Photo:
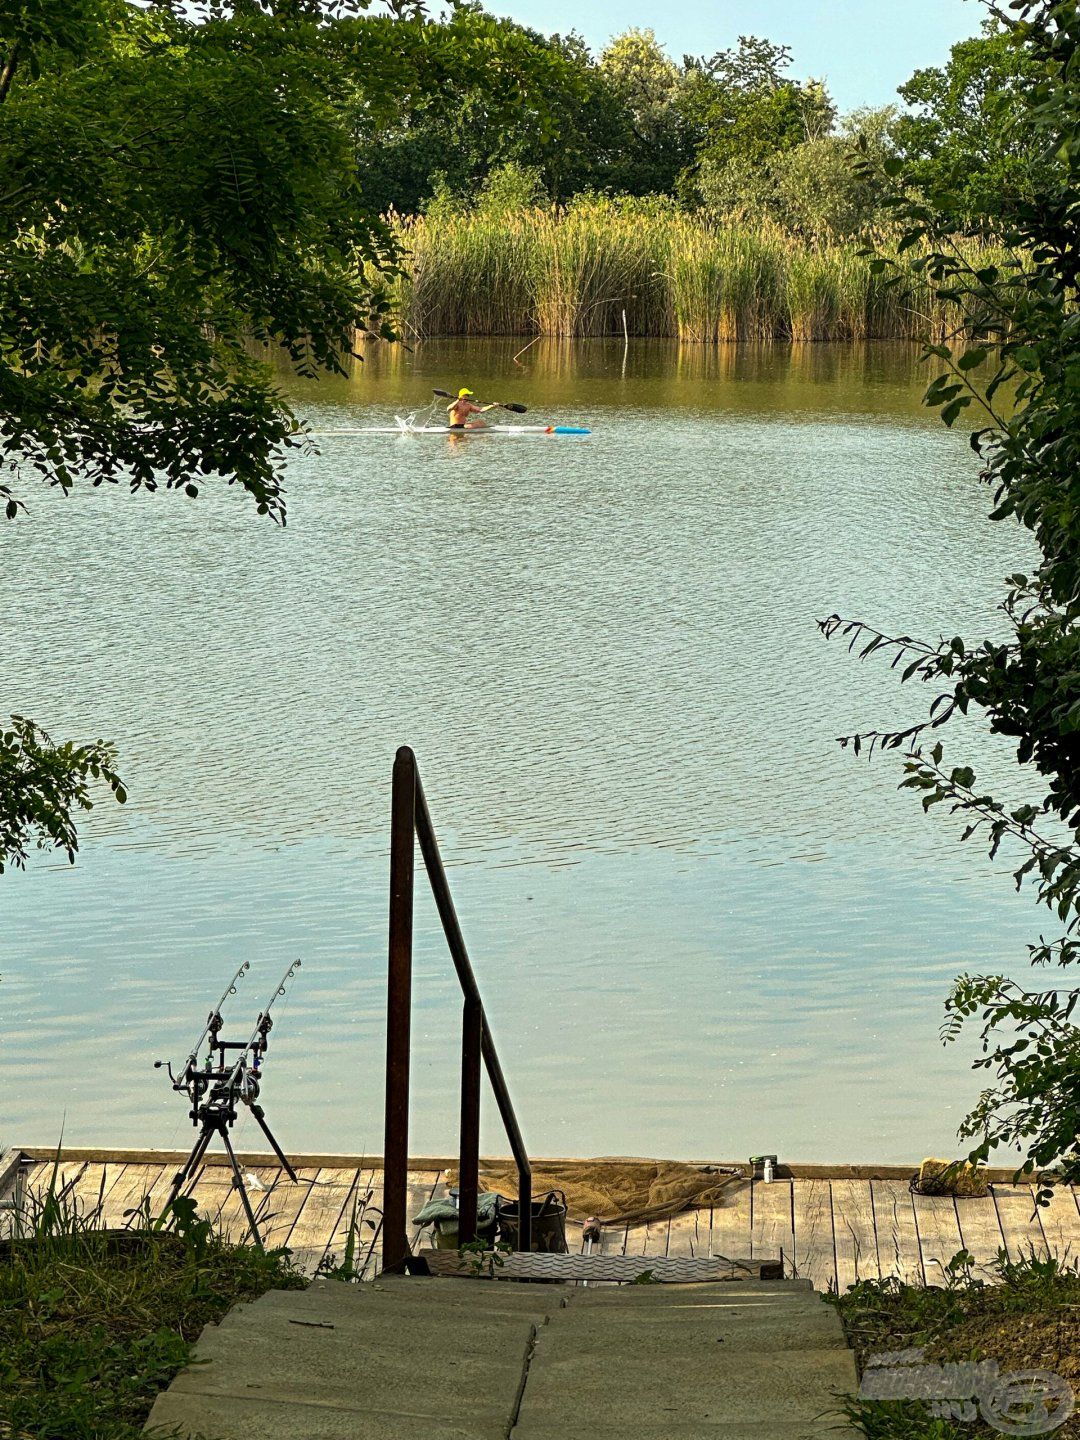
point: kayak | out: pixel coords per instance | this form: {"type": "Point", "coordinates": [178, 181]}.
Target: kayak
{"type": "Point", "coordinates": [468, 430]}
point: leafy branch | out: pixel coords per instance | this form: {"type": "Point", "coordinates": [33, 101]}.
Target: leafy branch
{"type": "Point", "coordinates": [42, 785]}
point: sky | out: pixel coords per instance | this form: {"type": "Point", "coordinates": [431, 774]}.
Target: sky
{"type": "Point", "coordinates": [864, 49]}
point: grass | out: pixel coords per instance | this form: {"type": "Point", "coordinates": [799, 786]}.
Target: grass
{"type": "Point", "coordinates": [94, 1324]}
{"type": "Point", "coordinates": [1028, 1319]}
{"type": "Point", "coordinates": [576, 271]}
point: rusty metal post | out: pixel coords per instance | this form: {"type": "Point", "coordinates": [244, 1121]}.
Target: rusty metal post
{"type": "Point", "coordinates": [524, 1207]}
{"type": "Point", "coordinates": [399, 1012]}
{"type": "Point", "coordinates": [472, 1031]}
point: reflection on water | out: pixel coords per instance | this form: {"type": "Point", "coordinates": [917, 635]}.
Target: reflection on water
{"type": "Point", "coordinates": [700, 929]}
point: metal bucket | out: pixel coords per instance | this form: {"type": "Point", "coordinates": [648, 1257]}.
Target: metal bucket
{"type": "Point", "coordinates": [548, 1223]}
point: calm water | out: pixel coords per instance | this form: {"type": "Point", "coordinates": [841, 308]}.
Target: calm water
{"type": "Point", "coordinates": [700, 928]}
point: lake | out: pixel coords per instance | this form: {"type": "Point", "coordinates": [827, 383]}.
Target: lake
{"type": "Point", "coordinates": [700, 929]}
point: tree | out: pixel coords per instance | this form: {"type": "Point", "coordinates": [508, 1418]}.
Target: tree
{"type": "Point", "coordinates": [960, 135]}
{"type": "Point", "coordinates": [176, 182]}
{"type": "Point", "coordinates": [469, 95]}
{"type": "Point", "coordinates": [748, 111]}
{"type": "Point", "coordinates": [825, 188]}
{"type": "Point", "coordinates": [1015, 365]}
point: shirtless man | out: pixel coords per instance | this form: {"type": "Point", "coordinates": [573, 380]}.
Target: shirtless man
{"type": "Point", "coordinates": [460, 409]}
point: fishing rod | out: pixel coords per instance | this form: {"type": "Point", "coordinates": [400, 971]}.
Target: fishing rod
{"type": "Point", "coordinates": [219, 1086]}
{"type": "Point", "coordinates": [213, 1024]}
{"type": "Point", "coordinates": [256, 1047]}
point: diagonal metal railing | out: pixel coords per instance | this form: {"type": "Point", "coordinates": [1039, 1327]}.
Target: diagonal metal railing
{"type": "Point", "coordinates": [410, 823]}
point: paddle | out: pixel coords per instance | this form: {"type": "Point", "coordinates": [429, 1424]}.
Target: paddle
{"type": "Point", "coordinates": [517, 409]}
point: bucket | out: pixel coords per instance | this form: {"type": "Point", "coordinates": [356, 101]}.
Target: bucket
{"type": "Point", "coordinates": [548, 1223]}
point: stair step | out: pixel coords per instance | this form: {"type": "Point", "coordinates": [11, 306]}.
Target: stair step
{"type": "Point", "coordinates": [652, 1334]}
{"type": "Point", "coordinates": [610, 1385]}
{"type": "Point", "coordinates": [684, 1296]}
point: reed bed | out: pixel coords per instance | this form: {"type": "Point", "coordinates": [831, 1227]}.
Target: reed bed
{"type": "Point", "coordinates": [598, 266]}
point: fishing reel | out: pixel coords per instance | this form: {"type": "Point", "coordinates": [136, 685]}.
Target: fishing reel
{"type": "Point", "coordinates": [230, 1076]}
{"type": "Point", "coordinates": [231, 1073]}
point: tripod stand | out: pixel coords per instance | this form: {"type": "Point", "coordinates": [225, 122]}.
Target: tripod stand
{"type": "Point", "coordinates": [216, 1091]}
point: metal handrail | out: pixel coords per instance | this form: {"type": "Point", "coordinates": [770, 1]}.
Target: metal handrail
{"type": "Point", "coordinates": [410, 821]}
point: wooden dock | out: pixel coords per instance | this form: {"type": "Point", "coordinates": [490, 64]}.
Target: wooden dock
{"type": "Point", "coordinates": [833, 1225]}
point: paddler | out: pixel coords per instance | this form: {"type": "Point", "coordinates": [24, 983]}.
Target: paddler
{"type": "Point", "coordinates": [460, 409]}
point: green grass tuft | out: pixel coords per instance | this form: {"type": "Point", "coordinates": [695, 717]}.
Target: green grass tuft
{"type": "Point", "coordinates": [94, 1323]}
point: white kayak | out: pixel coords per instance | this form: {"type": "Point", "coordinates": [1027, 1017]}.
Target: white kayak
{"type": "Point", "coordinates": [467, 430]}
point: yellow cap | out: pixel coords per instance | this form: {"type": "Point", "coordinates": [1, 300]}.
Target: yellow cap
{"type": "Point", "coordinates": [462, 393]}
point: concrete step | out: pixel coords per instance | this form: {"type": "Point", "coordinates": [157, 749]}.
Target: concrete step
{"type": "Point", "coordinates": [332, 1300]}
{"type": "Point", "coordinates": [704, 1386]}
{"type": "Point", "coordinates": [780, 1292]}
{"type": "Point", "coordinates": [226, 1417]}
{"type": "Point", "coordinates": [465, 1360]}
{"type": "Point", "coordinates": [507, 1294]}
{"type": "Point", "coordinates": [644, 1334]}
{"type": "Point", "coordinates": [828, 1428]}
{"type": "Point", "coordinates": [335, 1348]}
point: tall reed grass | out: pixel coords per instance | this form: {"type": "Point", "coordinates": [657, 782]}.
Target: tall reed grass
{"type": "Point", "coordinates": [589, 268]}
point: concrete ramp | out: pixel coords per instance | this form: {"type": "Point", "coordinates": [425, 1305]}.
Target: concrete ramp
{"type": "Point", "coordinates": [469, 1360]}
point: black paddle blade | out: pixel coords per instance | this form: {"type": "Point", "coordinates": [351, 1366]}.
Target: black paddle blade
{"type": "Point", "coordinates": [517, 409]}
{"type": "Point", "coordinates": [445, 394]}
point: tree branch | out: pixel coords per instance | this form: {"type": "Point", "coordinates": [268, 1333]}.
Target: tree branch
{"type": "Point", "coordinates": [7, 74]}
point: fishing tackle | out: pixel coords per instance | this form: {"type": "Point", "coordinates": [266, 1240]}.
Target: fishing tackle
{"type": "Point", "coordinates": [230, 1076]}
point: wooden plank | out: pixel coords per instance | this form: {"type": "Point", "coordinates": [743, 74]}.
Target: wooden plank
{"type": "Point", "coordinates": [814, 1245]}
{"type": "Point", "coordinates": [319, 1218]}
{"type": "Point", "coordinates": [260, 1181]}
{"type": "Point", "coordinates": [85, 1187]}
{"type": "Point", "coordinates": [421, 1186]}
{"type": "Point", "coordinates": [939, 1234]}
{"type": "Point", "coordinates": [649, 1239]}
{"type": "Point", "coordinates": [11, 1163]}
{"type": "Point", "coordinates": [1061, 1225]}
{"type": "Point", "coordinates": [772, 1233]}
{"type": "Point", "coordinates": [1020, 1225]}
{"type": "Point", "coordinates": [613, 1240]}
{"type": "Point", "coordinates": [688, 1234]}
{"type": "Point", "coordinates": [287, 1201]}
{"type": "Point", "coordinates": [353, 1219]}
{"type": "Point", "coordinates": [13, 1181]}
{"type": "Point", "coordinates": [128, 1193]}
{"type": "Point", "coordinates": [212, 1189]}
{"type": "Point", "coordinates": [899, 1252]}
{"type": "Point", "coordinates": [854, 1233]}
{"type": "Point", "coordinates": [980, 1232]}
{"type": "Point", "coordinates": [730, 1229]}
{"type": "Point", "coordinates": [159, 1190]}
{"type": "Point", "coordinates": [331, 1160]}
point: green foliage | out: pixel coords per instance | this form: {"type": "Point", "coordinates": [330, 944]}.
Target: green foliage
{"type": "Point", "coordinates": [747, 107]}
{"type": "Point", "coordinates": [178, 181]}
{"type": "Point", "coordinates": [462, 98]}
{"type": "Point", "coordinates": [965, 135]}
{"type": "Point", "coordinates": [511, 188]}
{"type": "Point", "coordinates": [42, 784]}
{"type": "Point", "coordinates": [1018, 1312]}
{"type": "Point", "coordinates": [484, 1258]}
{"type": "Point", "coordinates": [182, 188]}
{"type": "Point", "coordinates": [827, 187]}
{"type": "Point", "coordinates": [629, 121]}
{"type": "Point", "coordinates": [1013, 370]}
{"type": "Point", "coordinates": [93, 1324]}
